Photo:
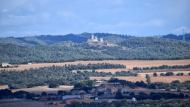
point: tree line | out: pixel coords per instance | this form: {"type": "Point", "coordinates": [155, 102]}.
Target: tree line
{"type": "Point", "coordinates": [147, 103]}
{"type": "Point", "coordinates": [163, 67]}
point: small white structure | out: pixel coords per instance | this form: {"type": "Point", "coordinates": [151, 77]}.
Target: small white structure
{"type": "Point", "coordinates": [29, 63]}
{"type": "Point", "coordinates": [101, 40]}
{"type": "Point", "coordinates": [96, 98]}
{"type": "Point", "coordinates": [96, 40]}
{"type": "Point", "coordinates": [134, 99]}
{"type": "Point", "coordinates": [93, 39]}
{"type": "Point", "coordinates": [5, 64]}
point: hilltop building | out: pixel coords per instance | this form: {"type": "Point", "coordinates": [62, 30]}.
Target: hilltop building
{"type": "Point", "coordinates": [94, 40]}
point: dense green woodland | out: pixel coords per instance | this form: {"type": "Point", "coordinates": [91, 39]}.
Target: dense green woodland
{"type": "Point", "coordinates": [54, 75]}
{"type": "Point", "coordinates": [71, 47]}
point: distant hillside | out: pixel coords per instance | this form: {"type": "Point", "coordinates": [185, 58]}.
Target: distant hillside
{"type": "Point", "coordinates": [185, 37]}
{"type": "Point", "coordinates": [21, 54]}
{"type": "Point", "coordinates": [43, 39]}
{"type": "Point", "coordinates": [57, 48]}
{"type": "Point", "coordinates": [55, 39]}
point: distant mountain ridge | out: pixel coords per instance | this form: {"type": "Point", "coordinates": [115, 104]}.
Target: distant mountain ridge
{"type": "Point", "coordinates": [77, 38]}
{"type": "Point", "coordinates": [51, 39]}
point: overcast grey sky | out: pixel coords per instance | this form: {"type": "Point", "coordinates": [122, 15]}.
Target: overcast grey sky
{"type": "Point", "coordinates": [135, 17]}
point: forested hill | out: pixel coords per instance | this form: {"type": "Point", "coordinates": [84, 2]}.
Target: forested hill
{"type": "Point", "coordinates": [47, 48]}
{"type": "Point", "coordinates": [185, 37]}
{"type": "Point", "coordinates": [55, 39]}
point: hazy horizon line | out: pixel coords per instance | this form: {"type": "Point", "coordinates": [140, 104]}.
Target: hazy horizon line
{"type": "Point", "coordinates": [63, 34]}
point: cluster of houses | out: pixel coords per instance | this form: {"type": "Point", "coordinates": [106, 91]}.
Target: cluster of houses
{"type": "Point", "coordinates": [103, 91]}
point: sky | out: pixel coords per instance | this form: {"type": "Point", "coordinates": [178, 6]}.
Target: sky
{"type": "Point", "coordinates": [133, 17]}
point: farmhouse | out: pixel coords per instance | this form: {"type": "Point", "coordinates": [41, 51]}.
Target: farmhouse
{"type": "Point", "coordinates": [109, 90]}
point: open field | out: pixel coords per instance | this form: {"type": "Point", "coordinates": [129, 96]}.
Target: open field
{"type": "Point", "coordinates": [3, 87]}
{"type": "Point", "coordinates": [40, 89]}
{"type": "Point", "coordinates": [128, 78]}
{"type": "Point", "coordinates": [169, 79]}
{"type": "Point", "coordinates": [164, 79]}
{"type": "Point", "coordinates": [111, 70]}
{"type": "Point", "coordinates": [129, 63]}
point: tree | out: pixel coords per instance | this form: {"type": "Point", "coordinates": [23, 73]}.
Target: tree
{"type": "Point", "coordinates": [5, 93]}
{"type": "Point", "coordinates": [119, 95]}
{"type": "Point", "coordinates": [169, 74]}
{"type": "Point", "coordinates": [179, 74]}
{"type": "Point", "coordinates": [162, 74]}
{"type": "Point", "coordinates": [43, 94]}
{"type": "Point", "coordinates": [84, 85]}
{"type": "Point", "coordinates": [53, 85]}
{"type": "Point", "coordinates": [148, 79]}
{"type": "Point", "coordinates": [60, 92]}
{"type": "Point", "coordinates": [141, 84]}
{"type": "Point", "coordinates": [155, 74]}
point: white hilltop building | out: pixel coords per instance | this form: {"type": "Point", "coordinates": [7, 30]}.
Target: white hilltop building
{"type": "Point", "coordinates": [94, 40]}
{"type": "Point", "coordinates": [101, 40]}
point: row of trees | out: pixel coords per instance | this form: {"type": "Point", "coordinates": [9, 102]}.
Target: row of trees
{"type": "Point", "coordinates": [94, 66]}
{"type": "Point", "coordinates": [163, 67]}
{"type": "Point", "coordinates": [169, 74]}
{"type": "Point", "coordinates": [6, 94]}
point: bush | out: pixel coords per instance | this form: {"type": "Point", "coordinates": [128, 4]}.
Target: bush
{"type": "Point", "coordinates": [53, 85]}
{"type": "Point", "coordinates": [169, 74]}
{"type": "Point", "coordinates": [155, 74]}
{"type": "Point", "coordinates": [179, 74]}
